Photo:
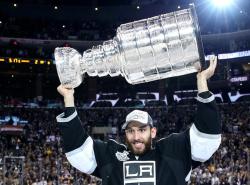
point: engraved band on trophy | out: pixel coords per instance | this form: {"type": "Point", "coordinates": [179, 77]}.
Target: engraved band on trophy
{"type": "Point", "coordinates": [160, 47]}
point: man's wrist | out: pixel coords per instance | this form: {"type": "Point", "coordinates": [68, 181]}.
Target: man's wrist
{"type": "Point", "coordinates": [69, 101]}
{"type": "Point", "coordinates": [202, 85]}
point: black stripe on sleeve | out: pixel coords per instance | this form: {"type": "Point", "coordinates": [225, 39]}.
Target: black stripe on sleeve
{"type": "Point", "coordinates": [73, 133]}
{"type": "Point", "coordinates": [208, 118]}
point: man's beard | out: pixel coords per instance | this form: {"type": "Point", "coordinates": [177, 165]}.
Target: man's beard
{"type": "Point", "coordinates": [147, 143]}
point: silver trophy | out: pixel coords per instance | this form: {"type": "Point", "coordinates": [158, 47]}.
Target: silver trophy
{"type": "Point", "coordinates": [160, 47]}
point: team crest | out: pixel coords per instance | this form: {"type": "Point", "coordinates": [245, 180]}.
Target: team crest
{"type": "Point", "coordinates": [122, 156]}
{"type": "Point", "coordinates": [139, 172]}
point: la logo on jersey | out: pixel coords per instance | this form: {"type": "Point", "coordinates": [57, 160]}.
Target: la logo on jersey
{"type": "Point", "coordinates": [142, 172]}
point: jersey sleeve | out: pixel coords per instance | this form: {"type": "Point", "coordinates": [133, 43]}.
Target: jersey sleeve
{"type": "Point", "coordinates": [85, 154]}
{"type": "Point", "coordinates": [205, 133]}
{"type": "Point", "coordinates": [78, 145]}
{"type": "Point", "coordinates": [198, 143]}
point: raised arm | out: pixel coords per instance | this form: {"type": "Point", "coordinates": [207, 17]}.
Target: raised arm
{"type": "Point", "coordinates": [78, 145]}
{"type": "Point", "coordinates": [205, 133]}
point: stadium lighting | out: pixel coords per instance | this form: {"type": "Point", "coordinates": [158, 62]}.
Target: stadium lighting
{"type": "Point", "coordinates": [138, 7]}
{"type": "Point", "coordinates": [179, 7]}
{"type": "Point", "coordinates": [222, 3]}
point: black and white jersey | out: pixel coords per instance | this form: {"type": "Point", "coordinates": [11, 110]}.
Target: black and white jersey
{"type": "Point", "coordinates": [169, 163]}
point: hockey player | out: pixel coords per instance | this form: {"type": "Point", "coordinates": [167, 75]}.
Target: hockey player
{"type": "Point", "coordinates": [170, 162]}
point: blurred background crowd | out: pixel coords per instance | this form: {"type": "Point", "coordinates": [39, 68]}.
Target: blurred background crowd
{"type": "Point", "coordinates": [45, 162]}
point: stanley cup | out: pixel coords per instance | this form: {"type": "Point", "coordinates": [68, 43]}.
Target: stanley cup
{"type": "Point", "coordinates": [160, 47]}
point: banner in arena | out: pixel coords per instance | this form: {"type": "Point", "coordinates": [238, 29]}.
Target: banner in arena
{"type": "Point", "coordinates": [223, 56]}
{"type": "Point", "coordinates": [11, 129]}
{"type": "Point", "coordinates": [18, 60]}
{"type": "Point", "coordinates": [239, 79]}
{"type": "Point", "coordinates": [14, 60]}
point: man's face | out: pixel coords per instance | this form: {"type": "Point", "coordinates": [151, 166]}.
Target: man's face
{"type": "Point", "coordinates": [139, 137]}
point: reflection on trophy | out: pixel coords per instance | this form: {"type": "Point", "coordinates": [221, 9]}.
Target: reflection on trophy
{"type": "Point", "coordinates": [160, 47]}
